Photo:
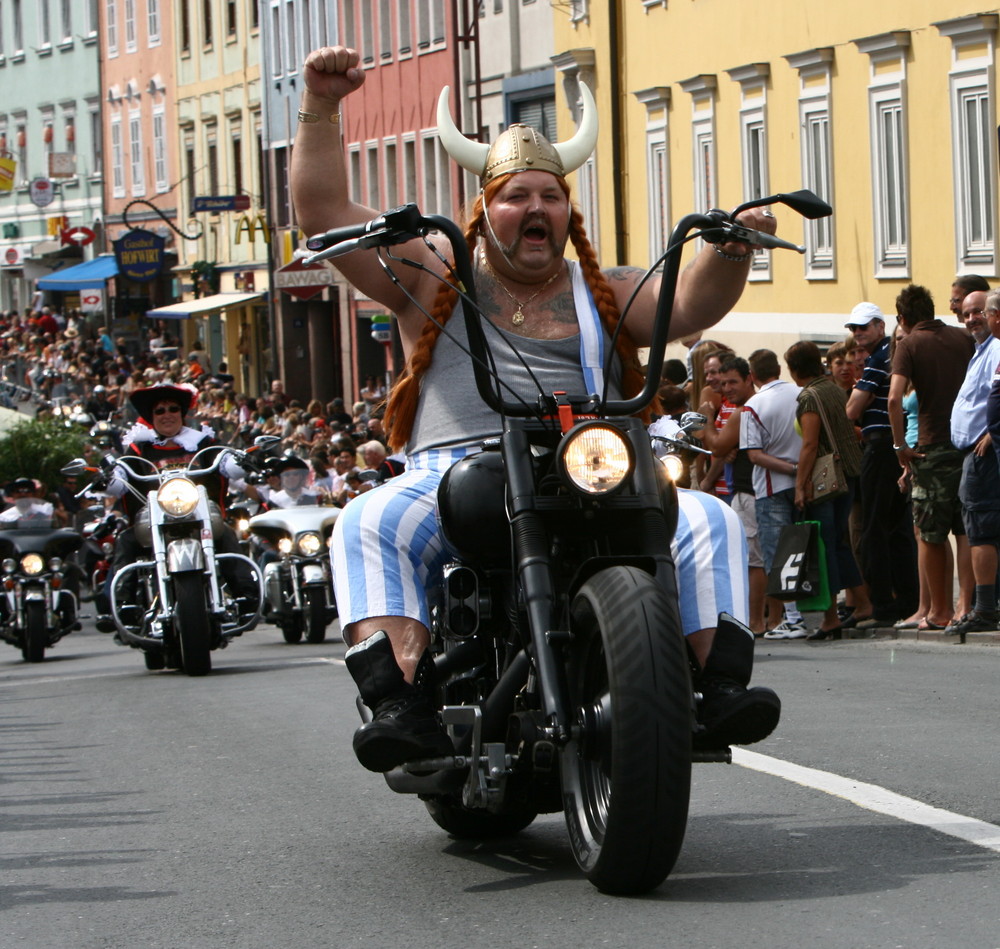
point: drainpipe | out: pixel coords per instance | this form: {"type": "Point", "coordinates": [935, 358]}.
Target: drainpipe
{"type": "Point", "coordinates": [617, 175]}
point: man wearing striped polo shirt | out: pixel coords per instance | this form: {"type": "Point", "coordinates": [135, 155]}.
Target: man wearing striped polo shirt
{"type": "Point", "coordinates": [888, 547]}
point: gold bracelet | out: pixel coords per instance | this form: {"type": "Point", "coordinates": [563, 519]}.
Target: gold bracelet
{"type": "Point", "coordinates": [310, 117]}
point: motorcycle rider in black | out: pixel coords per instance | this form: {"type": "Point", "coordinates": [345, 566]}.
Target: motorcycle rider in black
{"type": "Point", "coordinates": [161, 436]}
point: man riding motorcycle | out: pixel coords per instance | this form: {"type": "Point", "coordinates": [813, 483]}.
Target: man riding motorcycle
{"type": "Point", "coordinates": [161, 437]}
{"type": "Point", "coordinates": [24, 496]}
{"type": "Point", "coordinates": [386, 544]}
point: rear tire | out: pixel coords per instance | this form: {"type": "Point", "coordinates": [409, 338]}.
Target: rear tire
{"type": "Point", "coordinates": [35, 638]}
{"type": "Point", "coordinates": [192, 623]}
{"type": "Point", "coordinates": [626, 776]}
{"type": "Point", "coordinates": [315, 615]}
{"type": "Point", "coordinates": [465, 824]}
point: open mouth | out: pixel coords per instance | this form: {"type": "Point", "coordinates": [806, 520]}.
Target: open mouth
{"type": "Point", "coordinates": [535, 233]}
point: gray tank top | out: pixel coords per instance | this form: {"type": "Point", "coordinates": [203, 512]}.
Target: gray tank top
{"type": "Point", "coordinates": [451, 414]}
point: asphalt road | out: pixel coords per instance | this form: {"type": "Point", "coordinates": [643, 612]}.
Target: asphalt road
{"type": "Point", "coordinates": [144, 810]}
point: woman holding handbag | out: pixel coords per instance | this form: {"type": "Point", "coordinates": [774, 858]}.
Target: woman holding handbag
{"type": "Point", "coordinates": [829, 465]}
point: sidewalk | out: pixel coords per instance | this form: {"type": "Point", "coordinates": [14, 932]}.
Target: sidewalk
{"type": "Point", "coordinates": [912, 635]}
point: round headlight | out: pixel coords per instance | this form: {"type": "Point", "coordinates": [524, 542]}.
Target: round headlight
{"type": "Point", "coordinates": [674, 466]}
{"type": "Point", "coordinates": [32, 564]}
{"type": "Point", "coordinates": [596, 458]}
{"type": "Point", "coordinates": [285, 545]}
{"type": "Point", "coordinates": [243, 525]}
{"type": "Point", "coordinates": [55, 564]}
{"type": "Point", "coordinates": [9, 565]}
{"type": "Point", "coordinates": [310, 544]}
{"type": "Point", "coordinates": [178, 497]}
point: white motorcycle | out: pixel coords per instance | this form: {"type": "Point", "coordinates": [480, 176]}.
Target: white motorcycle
{"type": "Point", "coordinates": [298, 584]}
{"type": "Point", "coordinates": [183, 605]}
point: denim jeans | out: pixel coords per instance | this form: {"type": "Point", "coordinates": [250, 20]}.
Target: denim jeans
{"type": "Point", "coordinates": [773, 513]}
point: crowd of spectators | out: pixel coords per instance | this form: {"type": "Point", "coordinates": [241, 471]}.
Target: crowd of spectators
{"type": "Point", "coordinates": [58, 362]}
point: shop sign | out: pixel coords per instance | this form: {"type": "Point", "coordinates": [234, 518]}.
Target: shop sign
{"type": "Point", "coordinates": [381, 328]}
{"type": "Point", "coordinates": [222, 202]}
{"type": "Point", "coordinates": [140, 255]}
{"type": "Point", "coordinates": [81, 236]}
{"type": "Point", "coordinates": [12, 257]}
{"type": "Point", "coordinates": [41, 192]}
{"type": "Point", "coordinates": [62, 165]}
{"type": "Point", "coordinates": [92, 301]}
{"type": "Point", "coordinates": [300, 281]}
{"type": "Point", "coordinates": [8, 168]}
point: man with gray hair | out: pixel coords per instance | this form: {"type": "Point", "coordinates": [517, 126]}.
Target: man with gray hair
{"type": "Point", "coordinates": [979, 489]}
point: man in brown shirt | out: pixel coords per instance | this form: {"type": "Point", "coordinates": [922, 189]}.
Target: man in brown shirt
{"type": "Point", "coordinates": [935, 358]}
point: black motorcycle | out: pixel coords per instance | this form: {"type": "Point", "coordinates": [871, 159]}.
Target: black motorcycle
{"type": "Point", "coordinates": [564, 678]}
{"type": "Point", "coordinates": [38, 605]}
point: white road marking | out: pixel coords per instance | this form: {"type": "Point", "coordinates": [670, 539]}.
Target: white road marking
{"type": "Point", "coordinates": [874, 798]}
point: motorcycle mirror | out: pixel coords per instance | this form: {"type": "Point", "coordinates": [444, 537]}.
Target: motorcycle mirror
{"type": "Point", "coordinates": [263, 442]}
{"type": "Point", "coordinates": [74, 469]}
{"type": "Point", "coordinates": [693, 421]}
{"type": "Point", "coordinates": [804, 202]}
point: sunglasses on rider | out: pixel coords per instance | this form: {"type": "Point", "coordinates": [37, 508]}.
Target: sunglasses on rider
{"type": "Point", "coordinates": [161, 409]}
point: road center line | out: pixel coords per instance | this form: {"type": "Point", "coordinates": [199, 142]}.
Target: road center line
{"type": "Point", "coordinates": [874, 798]}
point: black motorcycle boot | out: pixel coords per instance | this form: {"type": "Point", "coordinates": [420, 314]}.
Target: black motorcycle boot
{"type": "Point", "coordinates": [404, 726]}
{"type": "Point", "coordinates": [729, 712]}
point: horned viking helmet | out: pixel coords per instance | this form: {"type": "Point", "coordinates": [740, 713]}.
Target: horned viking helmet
{"type": "Point", "coordinates": [519, 147]}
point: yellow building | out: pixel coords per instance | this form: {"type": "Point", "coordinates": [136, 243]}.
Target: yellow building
{"type": "Point", "coordinates": [224, 270]}
{"type": "Point", "coordinates": [887, 110]}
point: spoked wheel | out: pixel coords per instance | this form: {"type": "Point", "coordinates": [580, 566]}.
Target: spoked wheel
{"type": "Point", "coordinates": [626, 775]}
{"type": "Point", "coordinates": [315, 618]}
{"type": "Point", "coordinates": [193, 624]}
{"type": "Point", "coordinates": [34, 632]}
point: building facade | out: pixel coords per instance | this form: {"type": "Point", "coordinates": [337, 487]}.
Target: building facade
{"type": "Point", "coordinates": [888, 112]}
{"type": "Point", "coordinates": [51, 161]}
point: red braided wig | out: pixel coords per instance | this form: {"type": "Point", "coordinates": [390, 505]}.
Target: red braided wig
{"type": "Point", "coordinates": [401, 408]}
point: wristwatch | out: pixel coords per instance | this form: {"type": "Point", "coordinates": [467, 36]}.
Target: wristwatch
{"type": "Point", "coordinates": [898, 447]}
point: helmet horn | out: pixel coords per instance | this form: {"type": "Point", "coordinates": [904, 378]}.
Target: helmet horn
{"type": "Point", "coordinates": [469, 154]}
{"type": "Point", "coordinates": [581, 146]}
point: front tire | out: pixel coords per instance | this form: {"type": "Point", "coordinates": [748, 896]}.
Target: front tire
{"type": "Point", "coordinates": [35, 638]}
{"type": "Point", "coordinates": [315, 615]}
{"type": "Point", "coordinates": [192, 623]}
{"type": "Point", "coordinates": [626, 775]}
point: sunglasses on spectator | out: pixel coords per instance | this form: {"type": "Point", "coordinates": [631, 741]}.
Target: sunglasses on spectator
{"type": "Point", "coordinates": [161, 409]}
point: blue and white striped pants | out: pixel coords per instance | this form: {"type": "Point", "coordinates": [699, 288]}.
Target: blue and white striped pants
{"type": "Point", "coordinates": [387, 548]}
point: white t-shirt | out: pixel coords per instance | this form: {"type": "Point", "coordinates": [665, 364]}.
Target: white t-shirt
{"type": "Point", "coordinates": [768, 423]}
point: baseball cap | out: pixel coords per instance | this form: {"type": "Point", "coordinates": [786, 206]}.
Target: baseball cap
{"type": "Point", "coordinates": [863, 314]}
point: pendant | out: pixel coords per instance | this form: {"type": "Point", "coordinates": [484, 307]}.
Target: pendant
{"type": "Point", "coordinates": [518, 318]}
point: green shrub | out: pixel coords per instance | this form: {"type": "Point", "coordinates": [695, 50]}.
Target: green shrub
{"type": "Point", "coordinates": [38, 448]}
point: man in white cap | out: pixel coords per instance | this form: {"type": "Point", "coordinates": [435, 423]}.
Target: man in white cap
{"type": "Point", "coordinates": [888, 548]}
{"type": "Point", "coordinates": [517, 232]}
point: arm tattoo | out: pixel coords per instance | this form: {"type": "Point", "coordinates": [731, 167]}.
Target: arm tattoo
{"type": "Point", "coordinates": [623, 274]}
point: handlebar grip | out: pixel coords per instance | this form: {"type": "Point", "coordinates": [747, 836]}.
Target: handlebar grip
{"type": "Point", "coordinates": [402, 222]}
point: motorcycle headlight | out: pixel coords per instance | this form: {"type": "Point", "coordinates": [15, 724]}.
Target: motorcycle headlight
{"type": "Point", "coordinates": [242, 525]}
{"type": "Point", "coordinates": [596, 458]}
{"type": "Point", "coordinates": [9, 565]}
{"type": "Point", "coordinates": [674, 466]}
{"type": "Point", "coordinates": [178, 497]}
{"type": "Point", "coordinates": [310, 543]}
{"type": "Point", "coordinates": [32, 564]}
{"type": "Point", "coordinates": [55, 564]}
{"type": "Point", "coordinates": [285, 545]}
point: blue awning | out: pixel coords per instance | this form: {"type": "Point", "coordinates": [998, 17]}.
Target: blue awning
{"type": "Point", "coordinates": [90, 275]}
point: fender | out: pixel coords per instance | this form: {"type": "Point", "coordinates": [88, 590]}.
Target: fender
{"type": "Point", "coordinates": [312, 573]}
{"type": "Point", "coordinates": [185, 553]}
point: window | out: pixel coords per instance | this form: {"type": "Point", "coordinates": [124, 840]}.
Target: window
{"type": "Point", "coordinates": [111, 9]}
{"type": "Point", "coordinates": [21, 145]}
{"type": "Point", "coordinates": [371, 161]}
{"type": "Point", "coordinates": [92, 17]}
{"type": "Point", "coordinates": [973, 124]}
{"type": "Point", "coordinates": [405, 29]}
{"type": "Point", "coordinates": [354, 164]}
{"type": "Point", "coordinates": [409, 168]}
{"type": "Point", "coordinates": [277, 68]}
{"type": "Point", "coordinates": [657, 103]}
{"type": "Point", "coordinates": [138, 172]}
{"type": "Point", "coordinates": [206, 22]}
{"type": "Point", "coordinates": [348, 27]}
{"type": "Point", "coordinates": [889, 181]}
{"type": "Point", "coordinates": [162, 184]}
{"type": "Point", "coordinates": [185, 26]}
{"type": "Point", "coordinates": [17, 33]}
{"type": "Point", "coordinates": [291, 53]}
{"type": "Point", "coordinates": [539, 113]}
{"type": "Point", "coordinates": [367, 33]}
{"type": "Point", "coordinates": [437, 176]}
{"type": "Point", "coordinates": [385, 30]}
{"type": "Point", "coordinates": [48, 117]}
{"type": "Point", "coordinates": [190, 169]}
{"type": "Point", "coordinates": [44, 24]}
{"type": "Point", "coordinates": [230, 18]}
{"type": "Point", "coordinates": [391, 186]}
{"type": "Point", "coordinates": [117, 158]}
{"type": "Point", "coordinates": [212, 158]}
{"type": "Point", "coordinates": [96, 137]}
{"type": "Point", "coordinates": [66, 21]}
{"type": "Point", "coordinates": [430, 24]}
{"type": "Point", "coordinates": [282, 188]}
{"type": "Point", "coordinates": [237, 155]}
{"type": "Point", "coordinates": [153, 22]}
{"type": "Point", "coordinates": [69, 128]}
{"type": "Point", "coordinates": [131, 40]}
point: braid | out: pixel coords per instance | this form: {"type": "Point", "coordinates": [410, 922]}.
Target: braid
{"type": "Point", "coordinates": [401, 408]}
{"type": "Point", "coordinates": [633, 378]}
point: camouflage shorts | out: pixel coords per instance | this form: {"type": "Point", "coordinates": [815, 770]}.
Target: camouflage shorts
{"type": "Point", "coordinates": [937, 510]}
